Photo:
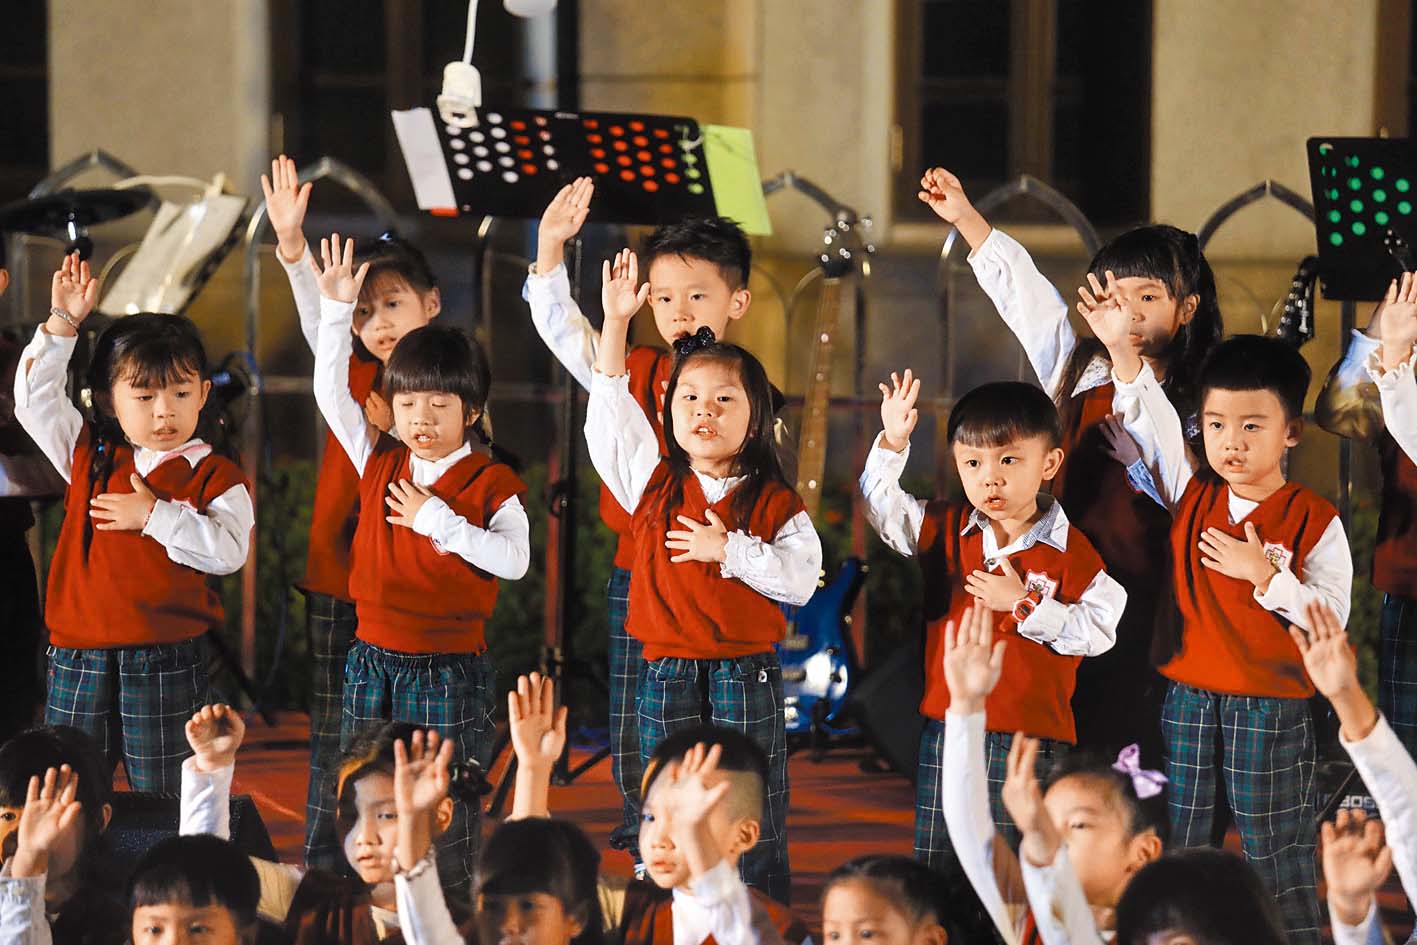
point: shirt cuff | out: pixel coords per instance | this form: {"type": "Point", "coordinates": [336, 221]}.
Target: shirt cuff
{"type": "Point", "coordinates": [1283, 589]}
{"type": "Point", "coordinates": [1373, 364]}
{"type": "Point", "coordinates": [430, 516]}
{"type": "Point", "coordinates": [1367, 932]}
{"type": "Point", "coordinates": [334, 312]}
{"type": "Point", "coordinates": [1144, 377]}
{"type": "Point", "coordinates": [163, 521]}
{"type": "Point", "coordinates": [715, 885]}
{"type": "Point", "coordinates": [739, 555]}
{"type": "Point", "coordinates": [300, 266]}
{"type": "Point", "coordinates": [555, 284]}
{"type": "Point", "coordinates": [1046, 622]}
{"type": "Point", "coordinates": [883, 463]}
{"type": "Point", "coordinates": [993, 244]}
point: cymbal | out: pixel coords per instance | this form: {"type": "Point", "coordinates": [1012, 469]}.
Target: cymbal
{"type": "Point", "coordinates": [52, 215]}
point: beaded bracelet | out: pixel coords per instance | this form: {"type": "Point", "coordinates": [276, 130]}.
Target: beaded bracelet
{"type": "Point", "coordinates": [55, 310]}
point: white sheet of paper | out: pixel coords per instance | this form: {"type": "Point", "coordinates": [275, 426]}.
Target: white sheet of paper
{"type": "Point", "coordinates": [418, 139]}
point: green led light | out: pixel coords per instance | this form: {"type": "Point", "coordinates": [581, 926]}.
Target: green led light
{"type": "Point", "coordinates": [1336, 239]}
{"type": "Point", "coordinates": [696, 188]}
{"type": "Point", "coordinates": [1359, 229]}
{"type": "Point", "coordinates": [693, 173]}
{"type": "Point", "coordinates": [1402, 185]}
{"type": "Point", "coordinates": [1381, 218]}
{"type": "Point", "coordinates": [1325, 148]}
{"type": "Point", "coordinates": [1334, 216]}
{"type": "Point", "coordinates": [1332, 193]}
{"type": "Point", "coordinates": [1355, 183]}
{"type": "Point", "coordinates": [1379, 195]}
{"type": "Point", "coordinates": [1352, 160]}
{"type": "Point", "coordinates": [1378, 173]}
{"type": "Point", "coordinates": [1404, 208]}
{"type": "Point", "coordinates": [1356, 206]}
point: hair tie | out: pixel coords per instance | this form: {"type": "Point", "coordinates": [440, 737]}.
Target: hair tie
{"type": "Point", "coordinates": [1145, 782]}
{"type": "Point", "coordinates": [703, 338]}
{"type": "Point", "coordinates": [467, 781]}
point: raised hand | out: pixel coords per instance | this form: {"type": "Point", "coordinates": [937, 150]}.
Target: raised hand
{"type": "Point", "coordinates": [286, 200]}
{"type": "Point", "coordinates": [1110, 316]}
{"type": "Point", "coordinates": [943, 193]}
{"type": "Point", "coordinates": [378, 412]}
{"type": "Point", "coordinates": [1356, 862]}
{"type": "Point", "coordinates": [699, 541]}
{"type": "Point", "coordinates": [689, 799]}
{"type": "Point", "coordinates": [1243, 560]}
{"type": "Point", "coordinates": [973, 661]}
{"type": "Point", "coordinates": [1333, 668]}
{"type": "Point", "coordinates": [404, 500]}
{"type": "Point", "coordinates": [1120, 444]}
{"type": "Point", "coordinates": [1023, 798]}
{"type": "Point", "coordinates": [338, 278]}
{"type": "Point", "coordinates": [50, 809]}
{"type": "Point", "coordinates": [537, 726]}
{"type": "Point", "coordinates": [898, 413]}
{"type": "Point", "coordinates": [74, 291]}
{"type": "Point", "coordinates": [215, 732]}
{"type": "Point", "coordinates": [421, 780]}
{"type": "Point", "coordinates": [123, 511]}
{"type": "Point", "coordinates": [1397, 322]}
{"type": "Point", "coordinates": [621, 294]}
{"type": "Point", "coordinates": [997, 591]}
{"type": "Point", "coordinates": [562, 220]}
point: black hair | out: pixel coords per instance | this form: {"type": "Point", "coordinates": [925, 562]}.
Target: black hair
{"type": "Point", "coordinates": [149, 350]}
{"type": "Point", "coordinates": [1173, 256]}
{"type": "Point", "coordinates": [1143, 813]}
{"type": "Point", "coordinates": [540, 855]}
{"type": "Point", "coordinates": [197, 870]}
{"type": "Point", "coordinates": [717, 240]}
{"type": "Point", "coordinates": [391, 255]}
{"type": "Point", "coordinates": [34, 751]}
{"type": "Point", "coordinates": [447, 360]}
{"type": "Point", "coordinates": [757, 461]}
{"type": "Point", "coordinates": [920, 893]}
{"type": "Point", "coordinates": [738, 752]}
{"type": "Point", "coordinates": [1003, 411]}
{"type": "Point", "coordinates": [373, 753]}
{"type": "Point", "coordinates": [1256, 362]}
{"type": "Point", "coordinates": [1212, 895]}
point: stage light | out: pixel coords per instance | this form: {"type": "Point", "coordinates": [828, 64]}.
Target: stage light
{"type": "Point", "coordinates": [529, 8]}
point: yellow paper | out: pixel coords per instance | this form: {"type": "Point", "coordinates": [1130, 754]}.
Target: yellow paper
{"type": "Point", "coordinates": [734, 176]}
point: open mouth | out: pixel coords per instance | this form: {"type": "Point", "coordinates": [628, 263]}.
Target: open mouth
{"type": "Point", "coordinates": [424, 439]}
{"type": "Point", "coordinates": [704, 431]}
{"type": "Point", "coordinates": [995, 502]}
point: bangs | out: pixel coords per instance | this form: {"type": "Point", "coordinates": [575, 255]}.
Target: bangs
{"type": "Point", "coordinates": [197, 871]}
{"type": "Point", "coordinates": [160, 359]}
{"type": "Point", "coordinates": [385, 278]}
{"type": "Point", "coordinates": [1003, 412]}
{"type": "Point", "coordinates": [1141, 253]}
{"type": "Point", "coordinates": [990, 433]}
{"type": "Point", "coordinates": [439, 359]}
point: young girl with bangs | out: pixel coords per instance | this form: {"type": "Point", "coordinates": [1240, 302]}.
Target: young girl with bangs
{"type": "Point", "coordinates": [721, 540]}
{"type": "Point", "coordinates": [150, 513]}
{"type": "Point", "coordinates": [1163, 272]}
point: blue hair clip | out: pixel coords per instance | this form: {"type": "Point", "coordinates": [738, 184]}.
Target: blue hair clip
{"type": "Point", "coordinates": [703, 338]}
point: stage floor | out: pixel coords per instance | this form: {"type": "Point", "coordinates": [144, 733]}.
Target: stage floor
{"type": "Point", "coordinates": [838, 811]}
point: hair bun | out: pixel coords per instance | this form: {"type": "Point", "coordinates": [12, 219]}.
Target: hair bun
{"type": "Point", "coordinates": [703, 338]}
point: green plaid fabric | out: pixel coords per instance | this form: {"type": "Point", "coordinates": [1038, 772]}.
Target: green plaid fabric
{"type": "Point", "coordinates": [1260, 752]}
{"type": "Point", "coordinates": [626, 658]}
{"type": "Point", "coordinates": [744, 694]}
{"type": "Point", "coordinates": [449, 693]}
{"type": "Point", "coordinates": [134, 702]}
{"type": "Point", "coordinates": [331, 625]}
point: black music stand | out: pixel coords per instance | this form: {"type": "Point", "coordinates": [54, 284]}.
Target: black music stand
{"type": "Point", "coordinates": [1365, 203]}
{"type": "Point", "coordinates": [648, 169]}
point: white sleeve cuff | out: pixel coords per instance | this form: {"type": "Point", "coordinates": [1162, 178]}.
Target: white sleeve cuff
{"type": "Point", "coordinates": [1368, 932]}
{"type": "Point", "coordinates": [206, 800]}
{"type": "Point", "coordinates": [1046, 622]}
{"type": "Point", "coordinates": [163, 521]}
{"type": "Point", "coordinates": [883, 463]}
{"type": "Point", "coordinates": [1283, 589]}
{"type": "Point", "coordinates": [334, 312]}
{"type": "Point", "coordinates": [430, 516]}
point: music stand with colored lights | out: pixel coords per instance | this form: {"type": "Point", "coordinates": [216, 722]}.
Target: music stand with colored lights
{"type": "Point", "coordinates": [1365, 209]}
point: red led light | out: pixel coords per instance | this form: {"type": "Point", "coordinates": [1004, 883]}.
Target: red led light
{"type": "Point", "coordinates": [594, 139]}
{"type": "Point", "coordinates": [518, 124]}
{"type": "Point", "coordinates": [661, 132]}
{"type": "Point", "coordinates": [641, 141]}
{"type": "Point", "coordinates": [671, 178]}
{"type": "Point", "coordinates": [617, 131]}
{"type": "Point", "coordinates": [644, 156]}
{"type": "Point", "coordinates": [637, 126]}
{"type": "Point", "coordinates": [627, 175]}
{"type": "Point", "coordinates": [521, 139]}
{"type": "Point", "coordinates": [624, 160]}
{"type": "Point", "coordinates": [590, 123]}
{"type": "Point", "coordinates": [646, 170]}
{"type": "Point", "coordinates": [524, 154]}
{"type": "Point", "coordinates": [602, 168]}
{"type": "Point", "coordinates": [666, 149]}
{"type": "Point", "coordinates": [667, 162]}
{"type": "Point", "coordinates": [529, 168]}
{"type": "Point", "coordinates": [650, 185]}
{"type": "Point", "coordinates": [597, 153]}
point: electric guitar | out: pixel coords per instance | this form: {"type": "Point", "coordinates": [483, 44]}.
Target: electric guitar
{"type": "Point", "coordinates": [1296, 322]}
{"type": "Point", "coordinates": [818, 661]}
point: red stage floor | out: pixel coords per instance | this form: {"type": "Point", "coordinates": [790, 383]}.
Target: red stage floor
{"type": "Point", "coordinates": [838, 811]}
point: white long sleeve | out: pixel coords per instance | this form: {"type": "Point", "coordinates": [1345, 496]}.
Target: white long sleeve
{"type": "Point", "coordinates": [22, 917]}
{"type": "Point", "coordinates": [42, 402]}
{"type": "Point", "coordinates": [785, 569]}
{"type": "Point", "coordinates": [964, 795]}
{"type": "Point", "coordinates": [715, 904]}
{"type": "Point", "coordinates": [216, 541]}
{"type": "Point", "coordinates": [1086, 627]}
{"type": "Point", "coordinates": [1029, 304]}
{"type": "Point", "coordinates": [1398, 391]}
{"type": "Point", "coordinates": [561, 324]}
{"type": "Point", "coordinates": [623, 447]}
{"type": "Point", "coordinates": [306, 290]}
{"type": "Point", "coordinates": [1154, 424]}
{"type": "Point", "coordinates": [341, 411]}
{"type": "Point", "coordinates": [1055, 898]}
{"type": "Point", "coordinates": [502, 549]}
{"type": "Point", "coordinates": [895, 514]}
{"type": "Point", "coordinates": [424, 918]}
{"type": "Point", "coordinates": [1391, 775]}
{"type": "Point", "coordinates": [1370, 931]}
{"type": "Point", "coordinates": [1328, 578]}
{"type": "Point", "coordinates": [205, 806]}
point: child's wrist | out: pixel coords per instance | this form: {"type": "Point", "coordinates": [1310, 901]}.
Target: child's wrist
{"type": "Point", "coordinates": [290, 246]}
{"type": "Point", "coordinates": [1350, 909]}
{"type": "Point", "coordinates": [29, 863]}
{"type": "Point", "coordinates": [549, 255]}
{"type": "Point", "coordinates": [211, 764]}
{"type": "Point", "coordinates": [966, 705]}
{"type": "Point", "coordinates": [1356, 715]}
{"type": "Point", "coordinates": [894, 445]}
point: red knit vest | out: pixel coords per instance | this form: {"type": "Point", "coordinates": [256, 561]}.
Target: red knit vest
{"type": "Point", "coordinates": [648, 368]}
{"type": "Point", "coordinates": [1229, 643]}
{"type": "Point", "coordinates": [1035, 692]}
{"type": "Point", "coordinates": [408, 595]}
{"type": "Point", "coordinates": [688, 609]}
{"type": "Point", "coordinates": [1395, 557]}
{"type": "Point", "coordinates": [123, 589]}
{"type": "Point", "coordinates": [335, 511]}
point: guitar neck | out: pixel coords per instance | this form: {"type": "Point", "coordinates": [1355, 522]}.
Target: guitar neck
{"type": "Point", "coordinates": [816, 397]}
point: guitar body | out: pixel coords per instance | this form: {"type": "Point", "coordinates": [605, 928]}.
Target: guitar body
{"type": "Point", "coordinates": [818, 662]}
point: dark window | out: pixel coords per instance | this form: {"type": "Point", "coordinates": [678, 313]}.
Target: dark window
{"type": "Point", "coordinates": [1006, 87]}
{"type": "Point", "coordinates": [24, 121]}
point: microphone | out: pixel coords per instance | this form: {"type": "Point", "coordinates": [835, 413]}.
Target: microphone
{"type": "Point", "coordinates": [462, 83]}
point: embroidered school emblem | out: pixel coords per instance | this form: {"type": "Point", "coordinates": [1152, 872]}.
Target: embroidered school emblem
{"type": "Point", "coordinates": [1037, 582]}
{"type": "Point", "coordinates": [1278, 555]}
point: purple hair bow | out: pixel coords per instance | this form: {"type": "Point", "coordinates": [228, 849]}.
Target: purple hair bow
{"type": "Point", "coordinates": [1145, 782]}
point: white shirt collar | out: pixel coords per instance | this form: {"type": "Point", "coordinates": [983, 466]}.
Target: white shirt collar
{"type": "Point", "coordinates": [1097, 373]}
{"type": "Point", "coordinates": [1051, 529]}
{"type": "Point", "coordinates": [146, 460]}
{"type": "Point", "coordinates": [428, 471]}
{"type": "Point", "coordinates": [715, 489]}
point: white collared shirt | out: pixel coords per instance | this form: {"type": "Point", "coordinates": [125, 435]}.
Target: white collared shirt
{"type": "Point", "coordinates": [625, 452]}
{"type": "Point", "coordinates": [502, 549]}
{"type": "Point", "coordinates": [1398, 391]}
{"type": "Point", "coordinates": [215, 541]}
{"type": "Point", "coordinates": [1085, 628]}
{"type": "Point", "coordinates": [561, 324]}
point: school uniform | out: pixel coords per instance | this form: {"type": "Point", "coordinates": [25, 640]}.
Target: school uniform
{"type": "Point", "coordinates": [329, 611]}
{"type": "Point", "coordinates": [127, 610]}
{"type": "Point", "coordinates": [1118, 696]}
{"type": "Point", "coordinates": [1236, 716]}
{"type": "Point", "coordinates": [708, 629]}
{"type": "Point", "coordinates": [422, 594]}
{"type": "Point", "coordinates": [1079, 607]}
{"type": "Point", "coordinates": [572, 339]}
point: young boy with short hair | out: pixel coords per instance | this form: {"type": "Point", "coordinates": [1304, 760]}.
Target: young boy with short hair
{"type": "Point", "coordinates": [1250, 552]}
{"type": "Point", "coordinates": [698, 275]}
{"type": "Point", "coordinates": [1009, 546]}
{"type": "Point", "coordinates": [193, 890]}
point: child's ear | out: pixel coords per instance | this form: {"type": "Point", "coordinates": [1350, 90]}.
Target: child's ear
{"type": "Point", "coordinates": [745, 835]}
{"type": "Point", "coordinates": [206, 390]}
{"type": "Point", "coordinates": [106, 818]}
{"type": "Point", "coordinates": [432, 303]}
{"type": "Point", "coordinates": [738, 304]}
{"type": "Point", "coordinates": [4, 280]}
{"type": "Point", "coordinates": [1146, 847]}
{"type": "Point", "coordinates": [443, 816]}
{"type": "Point", "coordinates": [471, 416]}
{"type": "Point", "coordinates": [932, 933]}
{"type": "Point", "coordinates": [1052, 462]}
{"type": "Point", "coordinates": [1294, 430]}
{"type": "Point", "coordinates": [578, 920]}
{"type": "Point", "coordinates": [1188, 308]}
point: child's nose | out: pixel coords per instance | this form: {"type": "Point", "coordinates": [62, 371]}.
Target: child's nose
{"type": "Point", "coordinates": [512, 920]}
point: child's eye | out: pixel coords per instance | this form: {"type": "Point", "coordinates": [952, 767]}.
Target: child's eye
{"type": "Point", "coordinates": [866, 933]}
{"type": "Point", "coordinates": [725, 398]}
{"type": "Point", "coordinates": [696, 296]}
{"type": "Point", "coordinates": [1148, 297]}
{"type": "Point", "coordinates": [389, 815]}
{"type": "Point", "coordinates": [647, 818]}
{"type": "Point", "coordinates": [1251, 427]}
{"type": "Point", "coordinates": [1009, 460]}
{"type": "Point", "coordinates": [972, 463]}
{"type": "Point", "coordinates": [662, 298]}
{"type": "Point", "coordinates": [1215, 424]}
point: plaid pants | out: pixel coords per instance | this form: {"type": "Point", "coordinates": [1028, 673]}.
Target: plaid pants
{"type": "Point", "coordinates": [331, 624]}
{"type": "Point", "coordinates": [449, 693]}
{"type": "Point", "coordinates": [932, 839]}
{"type": "Point", "coordinates": [1263, 750]}
{"type": "Point", "coordinates": [626, 657]}
{"type": "Point", "coordinates": [134, 701]}
{"type": "Point", "coordinates": [1397, 668]}
{"type": "Point", "coordinates": [744, 694]}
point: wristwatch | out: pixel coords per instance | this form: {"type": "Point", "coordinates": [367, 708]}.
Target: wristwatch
{"type": "Point", "coordinates": [1026, 605]}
